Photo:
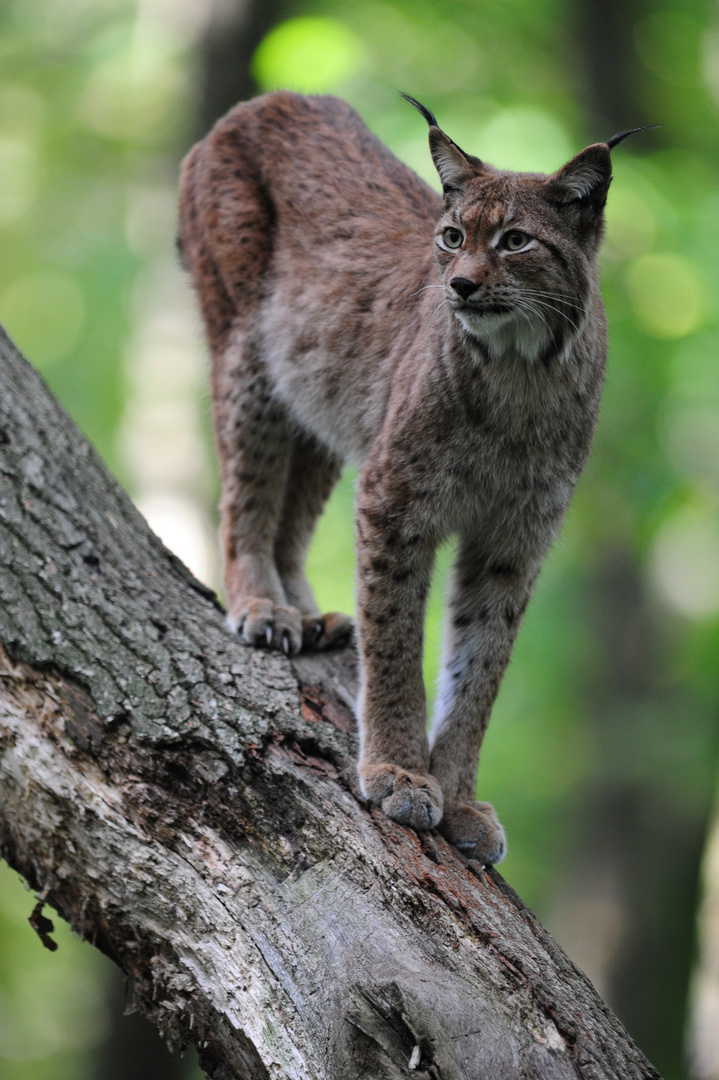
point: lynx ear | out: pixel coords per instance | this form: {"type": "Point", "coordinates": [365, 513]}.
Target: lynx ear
{"type": "Point", "coordinates": [584, 180]}
{"type": "Point", "coordinates": [455, 167]}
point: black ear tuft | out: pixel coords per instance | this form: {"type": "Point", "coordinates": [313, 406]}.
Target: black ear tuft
{"type": "Point", "coordinates": [429, 116]}
{"type": "Point", "coordinates": [455, 167]}
{"type": "Point", "coordinates": [622, 135]}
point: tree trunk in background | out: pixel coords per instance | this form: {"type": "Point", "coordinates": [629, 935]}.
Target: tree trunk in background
{"type": "Point", "coordinates": [607, 65]}
{"type": "Point", "coordinates": [189, 806]}
{"type": "Point", "coordinates": [234, 32]}
{"type": "Point", "coordinates": [636, 875]}
{"type": "Point", "coordinates": [639, 864]}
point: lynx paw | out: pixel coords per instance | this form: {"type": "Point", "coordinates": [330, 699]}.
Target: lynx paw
{"type": "Point", "coordinates": [413, 799]}
{"type": "Point", "coordinates": [320, 632]}
{"type": "Point", "coordinates": [474, 828]}
{"type": "Point", "coordinates": [266, 625]}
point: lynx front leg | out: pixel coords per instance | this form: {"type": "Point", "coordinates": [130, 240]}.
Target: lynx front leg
{"type": "Point", "coordinates": [394, 567]}
{"type": "Point", "coordinates": [487, 604]}
{"type": "Point", "coordinates": [252, 432]}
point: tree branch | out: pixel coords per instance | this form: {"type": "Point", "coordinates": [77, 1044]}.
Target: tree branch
{"type": "Point", "coordinates": [189, 806]}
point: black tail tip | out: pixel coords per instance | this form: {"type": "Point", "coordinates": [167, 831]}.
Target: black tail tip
{"type": "Point", "coordinates": [429, 116]}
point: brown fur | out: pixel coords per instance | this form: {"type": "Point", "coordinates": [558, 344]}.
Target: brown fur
{"type": "Point", "coordinates": [325, 275]}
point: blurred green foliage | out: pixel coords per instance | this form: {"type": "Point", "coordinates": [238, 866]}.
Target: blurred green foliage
{"type": "Point", "coordinates": [51, 1016]}
{"type": "Point", "coordinates": [94, 100]}
{"type": "Point", "coordinates": [611, 697]}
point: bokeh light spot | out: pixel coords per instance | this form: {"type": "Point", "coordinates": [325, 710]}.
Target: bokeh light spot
{"type": "Point", "coordinates": [135, 87]}
{"type": "Point", "coordinates": [685, 562]}
{"type": "Point", "coordinates": [527, 139]}
{"type": "Point", "coordinates": [17, 191]}
{"type": "Point", "coordinates": [44, 312]}
{"type": "Point", "coordinates": [631, 223]}
{"type": "Point", "coordinates": [309, 54]}
{"type": "Point", "coordinates": [690, 435]}
{"type": "Point", "coordinates": [667, 294]}
{"type": "Point", "coordinates": [178, 523]}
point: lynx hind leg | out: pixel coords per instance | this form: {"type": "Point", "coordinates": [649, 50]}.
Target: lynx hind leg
{"type": "Point", "coordinates": [312, 474]}
{"type": "Point", "coordinates": [252, 431]}
{"type": "Point", "coordinates": [224, 227]}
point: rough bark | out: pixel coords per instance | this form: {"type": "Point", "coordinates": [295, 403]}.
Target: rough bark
{"type": "Point", "coordinates": [189, 806]}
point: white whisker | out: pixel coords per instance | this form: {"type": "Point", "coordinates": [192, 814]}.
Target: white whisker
{"type": "Point", "coordinates": [425, 288]}
{"type": "Point", "coordinates": [530, 306]}
{"type": "Point", "coordinates": [560, 298]}
{"type": "Point", "coordinates": [552, 307]}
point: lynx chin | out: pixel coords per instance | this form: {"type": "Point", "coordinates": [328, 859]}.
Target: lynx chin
{"type": "Point", "coordinates": [452, 347]}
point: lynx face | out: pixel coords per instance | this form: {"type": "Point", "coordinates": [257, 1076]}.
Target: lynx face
{"type": "Point", "coordinates": [505, 258]}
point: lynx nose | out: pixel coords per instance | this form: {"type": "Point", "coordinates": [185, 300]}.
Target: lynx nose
{"type": "Point", "coordinates": [463, 286]}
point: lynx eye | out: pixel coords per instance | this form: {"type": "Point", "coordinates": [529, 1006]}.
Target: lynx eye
{"type": "Point", "coordinates": [515, 240]}
{"type": "Point", "coordinates": [453, 238]}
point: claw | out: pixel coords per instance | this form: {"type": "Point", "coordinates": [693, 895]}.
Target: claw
{"type": "Point", "coordinates": [268, 635]}
{"type": "Point", "coordinates": [285, 643]}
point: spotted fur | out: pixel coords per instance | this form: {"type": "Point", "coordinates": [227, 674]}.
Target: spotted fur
{"type": "Point", "coordinates": [452, 347]}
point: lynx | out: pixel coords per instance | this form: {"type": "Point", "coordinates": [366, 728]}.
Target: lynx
{"type": "Point", "coordinates": [454, 348]}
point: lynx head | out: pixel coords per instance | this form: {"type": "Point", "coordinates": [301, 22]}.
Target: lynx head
{"type": "Point", "coordinates": [517, 251]}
